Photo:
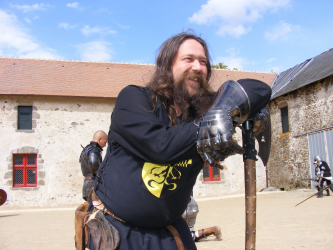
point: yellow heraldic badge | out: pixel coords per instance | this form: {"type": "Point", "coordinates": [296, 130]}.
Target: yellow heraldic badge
{"type": "Point", "coordinates": [156, 176]}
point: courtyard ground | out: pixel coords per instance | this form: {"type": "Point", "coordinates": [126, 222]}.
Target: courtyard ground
{"type": "Point", "coordinates": [280, 225]}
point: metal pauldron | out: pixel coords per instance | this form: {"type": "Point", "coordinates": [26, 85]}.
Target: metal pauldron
{"type": "Point", "coordinates": [230, 96]}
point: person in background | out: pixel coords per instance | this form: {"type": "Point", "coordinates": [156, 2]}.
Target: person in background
{"type": "Point", "coordinates": [324, 175]}
{"type": "Point", "coordinates": [190, 216]}
{"type": "Point", "coordinates": [91, 159]}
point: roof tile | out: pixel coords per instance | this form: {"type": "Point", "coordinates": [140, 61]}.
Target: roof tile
{"type": "Point", "coordinates": [19, 76]}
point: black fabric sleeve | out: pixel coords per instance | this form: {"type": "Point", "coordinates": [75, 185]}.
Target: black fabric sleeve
{"type": "Point", "coordinates": [146, 133]}
{"type": "Point", "coordinates": [259, 93]}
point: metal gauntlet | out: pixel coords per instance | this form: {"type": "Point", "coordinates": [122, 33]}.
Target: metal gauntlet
{"type": "Point", "coordinates": [230, 108]}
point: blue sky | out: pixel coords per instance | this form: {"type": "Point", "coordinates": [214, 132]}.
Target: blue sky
{"type": "Point", "coordinates": [251, 35]}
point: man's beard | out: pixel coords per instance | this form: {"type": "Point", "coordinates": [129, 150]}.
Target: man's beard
{"type": "Point", "coordinates": [199, 102]}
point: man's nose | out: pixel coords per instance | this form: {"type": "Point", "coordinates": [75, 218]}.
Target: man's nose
{"type": "Point", "coordinates": [196, 66]}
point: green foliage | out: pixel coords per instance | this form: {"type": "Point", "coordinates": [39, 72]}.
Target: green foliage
{"type": "Point", "coordinates": [220, 66]}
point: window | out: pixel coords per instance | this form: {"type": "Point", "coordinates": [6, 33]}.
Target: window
{"type": "Point", "coordinates": [211, 174]}
{"type": "Point", "coordinates": [285, 120]}
{"type": "Point", "coordinates": [25, 170]}
{"type": "Point", "coordinates": [24, 117]}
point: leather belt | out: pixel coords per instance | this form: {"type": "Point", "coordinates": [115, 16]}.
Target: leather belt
{"type": "Point", "coordinates": [98, 204]}
{"type": "Point", "coordinates": [176, 236]}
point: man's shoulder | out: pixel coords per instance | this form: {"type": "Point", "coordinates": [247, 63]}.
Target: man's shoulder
{"type": "Point", "coordinates": [134, 90]}
{"type": "Point", "coordinates": [92, 148]}
{"type": "Point", "coordinates": [324, 163]}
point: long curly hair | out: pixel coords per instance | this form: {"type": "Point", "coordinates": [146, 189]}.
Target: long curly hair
{"type": "Point", "coordinates": [162, 82]}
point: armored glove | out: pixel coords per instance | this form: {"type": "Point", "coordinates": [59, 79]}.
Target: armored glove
{"type": "Point", "coordinates": [230, 108]}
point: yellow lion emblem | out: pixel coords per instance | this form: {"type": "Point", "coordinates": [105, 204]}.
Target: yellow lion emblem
{"type": "Point", "coordinates": [155, 176]}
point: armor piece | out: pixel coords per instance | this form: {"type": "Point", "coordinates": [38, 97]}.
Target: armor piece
{"type": "Point", "coordinates": [90, 159]}
{"type": "Point", "coordinates": [190, 214]}
{"type": "Point", "coordinates": [317, 160]}
{"type": "Point", "coordinates": [230, 108]}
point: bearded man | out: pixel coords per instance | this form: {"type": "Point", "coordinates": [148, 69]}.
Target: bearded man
{"type": "Point", "coordinates": [159, 138]}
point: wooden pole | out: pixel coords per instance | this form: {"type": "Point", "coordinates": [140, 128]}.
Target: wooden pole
{"type": "Point", "coordinates": [249, 158]}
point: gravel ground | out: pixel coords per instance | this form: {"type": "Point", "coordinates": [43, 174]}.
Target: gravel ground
{"type": "Point", "coordinates": [280, 225]}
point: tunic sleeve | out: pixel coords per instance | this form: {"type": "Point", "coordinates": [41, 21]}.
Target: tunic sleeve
{"type": "Point", "coordinates": [146, 133]}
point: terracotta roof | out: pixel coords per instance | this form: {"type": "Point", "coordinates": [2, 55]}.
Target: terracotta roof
{"type": "Point", "coordinates": [20, 76]}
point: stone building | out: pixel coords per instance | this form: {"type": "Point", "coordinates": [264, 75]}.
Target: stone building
{"type": "Point", "coordinates": [302, 121]}
{"type": "Point", "coordinates": [49, 108]}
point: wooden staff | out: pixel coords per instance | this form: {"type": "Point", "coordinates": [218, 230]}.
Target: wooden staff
{"type": "Point", "coordinates": [249, 158]}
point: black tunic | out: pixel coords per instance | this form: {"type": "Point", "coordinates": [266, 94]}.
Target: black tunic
{"type": "Point", "coordinates": [150, 167]}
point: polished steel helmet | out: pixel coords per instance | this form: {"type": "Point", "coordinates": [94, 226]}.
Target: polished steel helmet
{"type": "Point", "coordinates": [317, 159]}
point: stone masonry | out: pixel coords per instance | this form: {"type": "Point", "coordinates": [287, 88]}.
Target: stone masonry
{"type": "Point", "coordinates": [60, 127]}
{"type": "Point", "coordinates": [309, 108]}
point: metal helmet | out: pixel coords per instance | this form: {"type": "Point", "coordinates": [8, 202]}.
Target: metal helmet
{"type": "Point", "coordinates": [317, 159]}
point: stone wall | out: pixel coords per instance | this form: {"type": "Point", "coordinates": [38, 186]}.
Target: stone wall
{"type": "Point", "coordinates": [60, 126]}
{"type": "Point", "coordinates": [309, 108]}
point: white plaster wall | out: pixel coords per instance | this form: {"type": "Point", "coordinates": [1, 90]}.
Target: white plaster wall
{"type": "Point", "coordinates": [63, 125]}
{"type": "Point", "coordinates": [232, 176]}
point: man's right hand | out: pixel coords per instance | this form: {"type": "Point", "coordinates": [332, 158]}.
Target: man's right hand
{"type": "Point", "coordinates": [215, 142]}
{"type": "Point", "coordinates": [231, 107]}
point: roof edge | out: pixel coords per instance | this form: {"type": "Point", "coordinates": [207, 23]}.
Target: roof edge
{"type": "Point", "coordinates": [61, 96]}
{"type": "Point", "coordinates": [127, 63]}
{"type": "Point", "coordinates": [76, 61]}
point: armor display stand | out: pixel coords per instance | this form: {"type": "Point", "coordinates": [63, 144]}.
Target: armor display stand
{"type": "Point", "coordinates": [249, 159]}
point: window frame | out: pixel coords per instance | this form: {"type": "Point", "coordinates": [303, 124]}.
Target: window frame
{"type": "Point", "coordinates": [285, 119]}
{"type": "Point", "coordinates": [25, 167]}
{"type": "Point", "coordinates": [211, 176]}
{"type": "Point", "coordinates": [20, 124]}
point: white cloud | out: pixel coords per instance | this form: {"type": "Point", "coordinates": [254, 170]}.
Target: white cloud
{"type": "Point", "coordinates": [271, 60]}
{"type": "Point", "coordinates": [283, 30]}
{"type": "Point", "coordinates": [124, 26]}
{"type": "Point", "coordinates": [27, 20]}
{"type": "Point", "coordinates": [234, 17]}
{"type": "Point", "coordinates": [29, 8]}
{"type": "Point", "coordinates": [74, 5]}
{"type": "Point", "coordinates": [66, 26]}
{"type": "Point", "coordinates": [232, 60]}
{"type": "Point", "coordinates": [15, 40]}
{"type": "Point", "coordinates": [99, 51]}
{"type": "Point", "coordinates": [87, 31]}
